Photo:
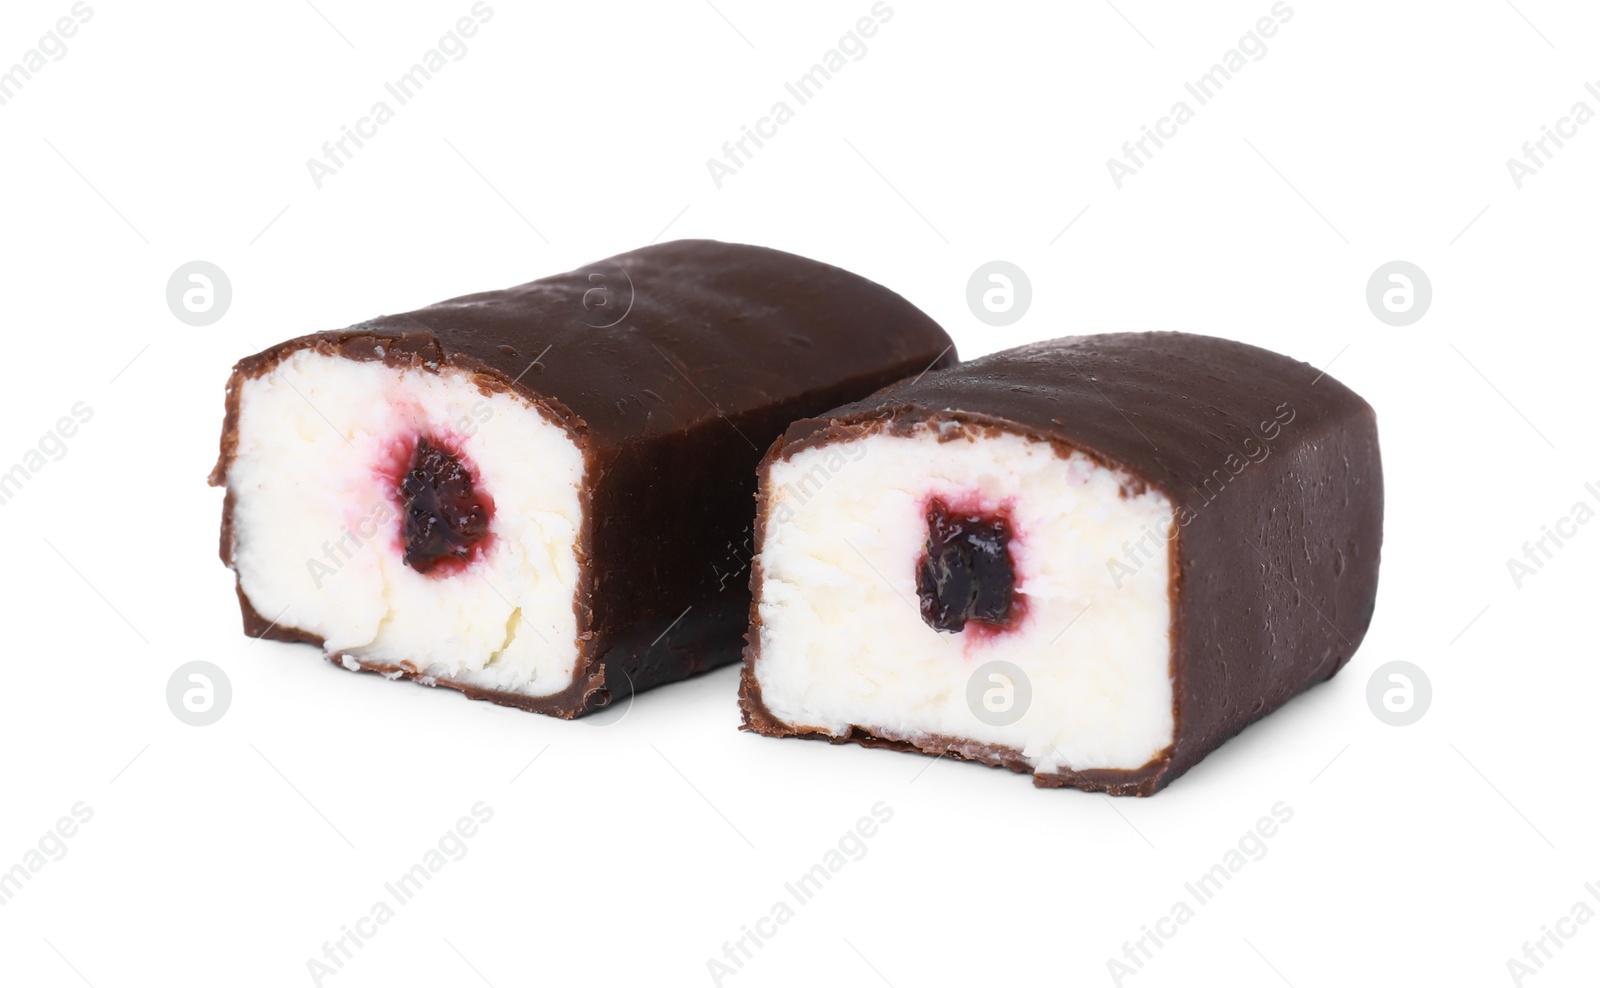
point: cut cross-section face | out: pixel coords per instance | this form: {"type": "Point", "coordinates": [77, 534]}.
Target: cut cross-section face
{"type": "Point", "coordinates": [896, 567]}
{"type": "Point", "coordinates": [411, 520]}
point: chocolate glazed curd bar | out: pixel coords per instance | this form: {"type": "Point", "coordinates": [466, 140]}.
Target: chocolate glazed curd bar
{"type": "Point", "coordinates": [1093, 559]}
{"type": "Point", "coordinates": [536, 496]}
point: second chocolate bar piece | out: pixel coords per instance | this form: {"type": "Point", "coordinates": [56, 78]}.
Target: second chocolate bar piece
{"type": "Point", "coordinates": [1092, 559]}
{"type": "Point", "coordinates": [542, 496]}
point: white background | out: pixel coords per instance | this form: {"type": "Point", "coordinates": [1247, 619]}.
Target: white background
{"type": "Point", "coordinates": [631, 850]}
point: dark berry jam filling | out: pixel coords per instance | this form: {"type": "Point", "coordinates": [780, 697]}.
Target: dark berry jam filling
{"type": "Point", "coordinates": [445, 515]}
{"type": "Point", "coordinates": [966, 571]}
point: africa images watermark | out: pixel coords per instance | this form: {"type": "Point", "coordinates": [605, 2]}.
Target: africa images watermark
{"type": "Point", "coordinates": [736, 558]}
{"type": "Point", "coordinates": [851, 47]}
{"type": "Point", "coordinates": [1136, 554]}
{"type": "Point", "coordinates": [353, 537]}
{"type": "Point", "coordinates": [1537, 153]}
{"type": "Point", "coordinates": [452, 846]}
{"type": "Point", "coordinates": [452, 47]}
{"type": "Point", "coordinates": [51, 448]}
{"type": "Point", "coordinates": [52, 47]}
{"type": "Point", "coordinates": [1250, 48]}
{"type": "Point", "coordinates": [1556, 535]}
{"type": "Point", "coordinates": [51, 847]}
{"type": "Point", "coordinates": [814, 479]}
{"type": "Point", "coordinates": [1538, 951]}
{"type": "Point", "coordinates": [1252, 846]}
{"type": "Point", "coordinates": [850, 847]}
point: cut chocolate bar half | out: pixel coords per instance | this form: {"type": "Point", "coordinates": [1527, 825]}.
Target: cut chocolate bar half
{"type": "Point", "coordinates": [1092, 559]}
{"type": "Point", "coordinates": [543, 496]}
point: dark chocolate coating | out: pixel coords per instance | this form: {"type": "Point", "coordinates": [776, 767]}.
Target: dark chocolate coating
{"type": "Point", "coordinates": [721, 347]}
{"type": "Point", "coordinates": [1278, 530]}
